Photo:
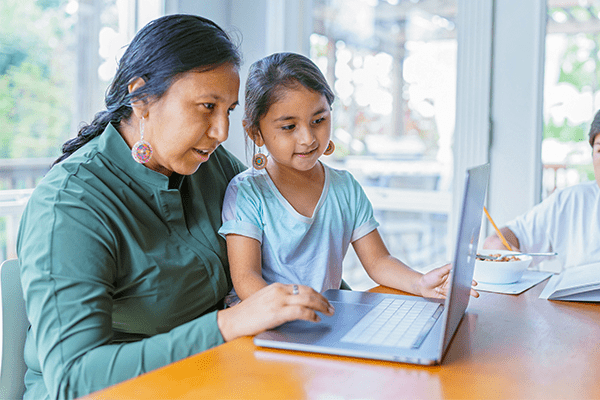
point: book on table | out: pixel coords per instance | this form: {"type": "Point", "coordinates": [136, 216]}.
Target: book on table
{"type": "Point", "coordinates": [575, 284]}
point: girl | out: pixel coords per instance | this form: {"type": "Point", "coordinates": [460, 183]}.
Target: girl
{"type": "Point", "coordinates": [292, 218]}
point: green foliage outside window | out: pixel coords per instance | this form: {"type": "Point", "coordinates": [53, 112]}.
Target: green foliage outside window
{"type": "Point", "coordinates": [566, 132]}
{"type": "Point", "coordinates": [36, 77]}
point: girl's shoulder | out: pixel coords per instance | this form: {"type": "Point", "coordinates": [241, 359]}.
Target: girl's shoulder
{"type": "Point", "coordinates": [250, 180]}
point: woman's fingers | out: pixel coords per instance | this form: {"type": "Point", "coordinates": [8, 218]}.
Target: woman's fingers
{"type": "Point", "coordinates": [294, 302]}
{"type": "Point", "coordinates": [294, 312]}
{"type": "Point", "coordinates": [271, 307]}
{"type": "Point", "coordinates": [308, 298]}
{"type": "Point", "coordinates": [279, 303]}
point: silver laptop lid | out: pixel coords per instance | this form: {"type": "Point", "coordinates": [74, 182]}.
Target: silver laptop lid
{"type": "Point", "coordinates": [475, 186]}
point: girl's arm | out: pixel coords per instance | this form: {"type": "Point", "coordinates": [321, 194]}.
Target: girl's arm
{"type": "Point", "coordinates": [382, 267]}
{"type": "Point", "coordinates": [245, 264]}
{"type": "Point", "coordinates": [387, 270]}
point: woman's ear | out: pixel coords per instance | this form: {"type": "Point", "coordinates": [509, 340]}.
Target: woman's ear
{"type": "Point", "coordinates": [253, 133]}
{"type": "Point", "coordinates": [140, 107]}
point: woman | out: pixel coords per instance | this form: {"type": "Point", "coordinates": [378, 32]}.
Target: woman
{"type": "Point", "coordinates": [122, 267]}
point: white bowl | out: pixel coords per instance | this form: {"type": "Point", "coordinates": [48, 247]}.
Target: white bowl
{"type": "Point", "coordinates": [500, 272]}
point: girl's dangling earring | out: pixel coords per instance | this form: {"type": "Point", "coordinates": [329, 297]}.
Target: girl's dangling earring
{"type": "Point", "coordinates": [141, 150]}
{"type": "Point", "coordinates": [330, 148]}
{"type": "Point", "coordinates": [259, 161]}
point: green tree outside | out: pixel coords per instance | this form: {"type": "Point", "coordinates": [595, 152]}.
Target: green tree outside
{"type": "Point", "coordinates": [36, 77]}
{"type": "Point", "coordinates": [575, 70]}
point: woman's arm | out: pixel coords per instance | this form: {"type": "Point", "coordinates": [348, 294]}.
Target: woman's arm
{"type": "Point", "coordinates": [245, 264]}
{"type": "Point", "coordinates": [69, 277]}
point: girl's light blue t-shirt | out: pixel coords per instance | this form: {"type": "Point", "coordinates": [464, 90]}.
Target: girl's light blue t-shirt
{"type": "Point", "coordinates": [297, 249]}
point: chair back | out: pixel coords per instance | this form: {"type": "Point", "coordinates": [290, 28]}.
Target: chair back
{"type": "Point", "coordinates": [14, 325]}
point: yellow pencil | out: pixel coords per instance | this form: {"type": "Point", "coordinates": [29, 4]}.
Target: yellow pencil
{"type": "Point", "coordinates": [504, 241]}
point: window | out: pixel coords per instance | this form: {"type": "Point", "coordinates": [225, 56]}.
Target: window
{"type": "Point", "coordinates": [57, 58]}
{"type": "Point", "coordinates": [571, 91]}
{"type": "Point", "coordinates": [392, 65]}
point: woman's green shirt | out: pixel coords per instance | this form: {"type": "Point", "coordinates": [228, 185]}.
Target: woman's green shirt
{"type": "Point", "coordinates": [121, 273]}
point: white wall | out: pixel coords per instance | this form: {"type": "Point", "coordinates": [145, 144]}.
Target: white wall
{"type": "Point", "coordinates": [248, 19]}
{"type": "Point", "coordinates": [473, 91]}
{"type": "Point", "coordinates": [516, 104]}
{"type": "Point", "coordinates": [499, 102]}
{"type": "Point", "coordinates": [217, 11]}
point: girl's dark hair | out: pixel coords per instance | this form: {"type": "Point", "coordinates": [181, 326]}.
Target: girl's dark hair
{"type": "Point", "coordinates": [159, 52]}
{"type": "Point", "coordinates": [269, 77]}
{"type": "Point", "coordinates": [595, 128]}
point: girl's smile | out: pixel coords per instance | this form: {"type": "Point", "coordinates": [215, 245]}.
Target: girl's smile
{"type": "Point", "coordinates": [308, 153]}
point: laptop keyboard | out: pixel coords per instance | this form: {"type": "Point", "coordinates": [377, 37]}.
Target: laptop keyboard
{"type": "Point", "coordinates": [395, 323]}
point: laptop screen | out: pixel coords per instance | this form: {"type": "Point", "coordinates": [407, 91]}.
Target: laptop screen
{"type": "Point", "coordinates": [467, 238]}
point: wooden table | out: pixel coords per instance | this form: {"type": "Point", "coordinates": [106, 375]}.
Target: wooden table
{"type": "Point", "coordinates": [506, 347]}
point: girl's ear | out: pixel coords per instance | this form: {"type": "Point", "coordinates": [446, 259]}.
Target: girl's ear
{"type": "Point", "coordinates": [140, 107]}
{"type": "Point", "coordinates": [253, 133]}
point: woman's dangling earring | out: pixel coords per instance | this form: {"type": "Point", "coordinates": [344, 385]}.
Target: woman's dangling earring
{"type": "Point", "coordinates": [141, 150]}
{"type": "Point", "coordinates": [330, 148]}
{"type": "Point", "coordinates": [259, 161]}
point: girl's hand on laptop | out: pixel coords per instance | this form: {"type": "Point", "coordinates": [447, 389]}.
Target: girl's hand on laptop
{"type": "Point", "coordinates": [270, 307]}
{"type": "Point", "coordinates": [435, 283]}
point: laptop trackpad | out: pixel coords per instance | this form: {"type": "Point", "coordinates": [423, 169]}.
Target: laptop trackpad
{"type": "Point", "coordinates": [300, 331]}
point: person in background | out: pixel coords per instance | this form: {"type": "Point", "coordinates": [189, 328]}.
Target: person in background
{"type": "Point", "coordinates": [292, 218]}
{"type": "Point", "coordinates": [566, 222]}
{"type": "Point", "coordinates": [122, 268]}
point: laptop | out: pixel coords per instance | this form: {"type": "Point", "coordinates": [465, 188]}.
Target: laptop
{"type": "Point", "coordinates": [407, 329]}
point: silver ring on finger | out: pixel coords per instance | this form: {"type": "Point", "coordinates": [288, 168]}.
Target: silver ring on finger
{"type": "Point", "coordinates": [295, 290]}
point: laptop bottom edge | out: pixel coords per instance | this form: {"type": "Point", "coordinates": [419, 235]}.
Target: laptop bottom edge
{"type": "Point", "coordinates": [315, 350]}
